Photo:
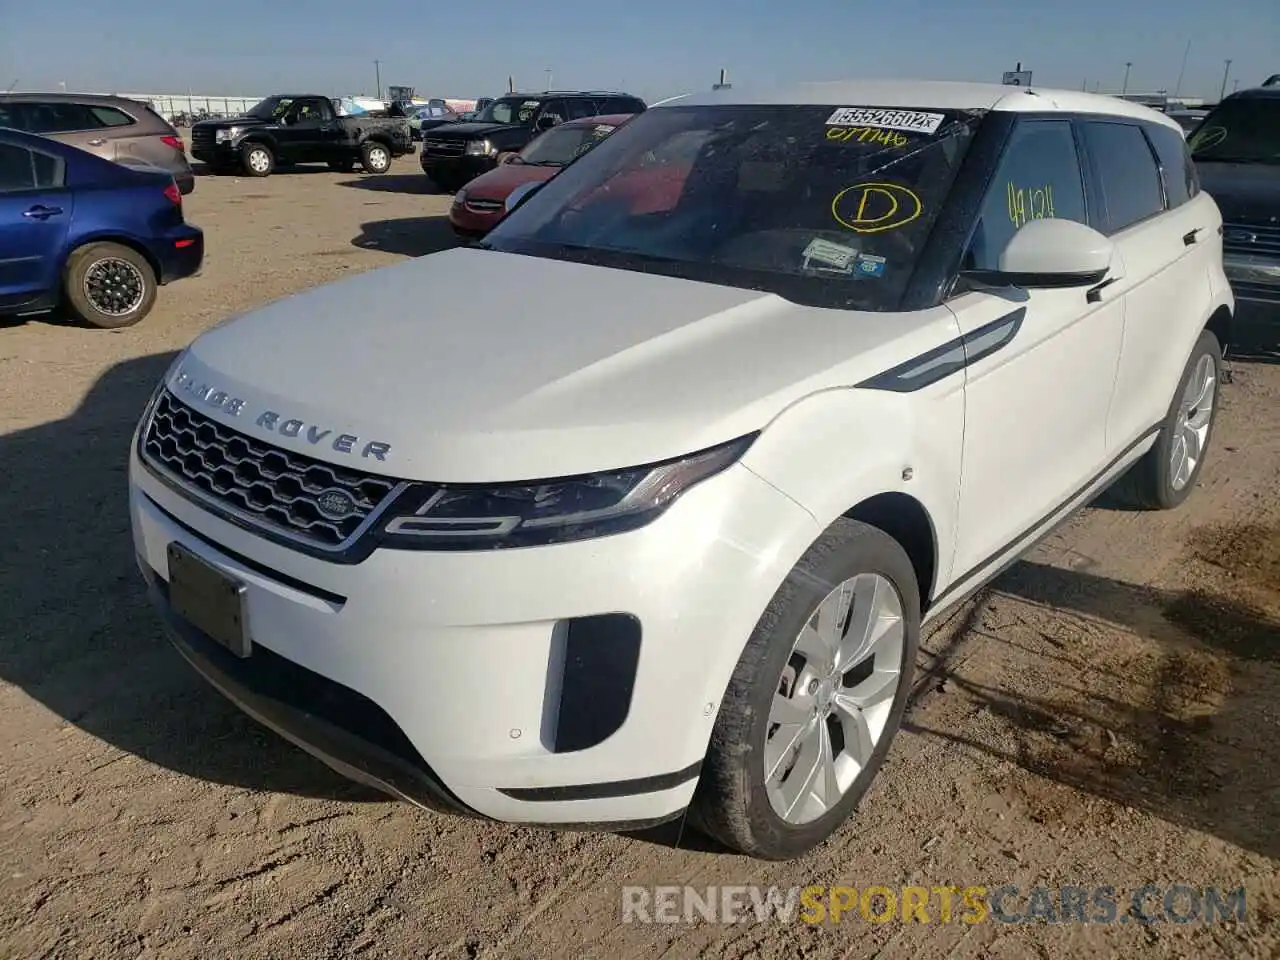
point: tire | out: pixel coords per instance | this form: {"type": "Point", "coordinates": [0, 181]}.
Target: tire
{"type": "Point", "coordinates": [375, 157]}
{"type": "Point", "coordinates": [732, 803]}
{"type": "Point", "coordinates": [108, 285]}
{"type": "Point", "coordinates": [342, 166]}
{"type": "Point", "coordinates": [257, 160]}
{"type": "Point", "coordinates": [1154, 482]}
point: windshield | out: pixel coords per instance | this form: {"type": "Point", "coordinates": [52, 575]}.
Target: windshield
{"type": "Point", "coordinates": [824, 206]}
{"type": "Point", "coordinates": [515, 110]}
{"type": "Point", "coordinates": [272, 108]}
{"type": "Point", "coordinates": [562, 145]}
{"type": "Point", "coordinates": [1239, 131]}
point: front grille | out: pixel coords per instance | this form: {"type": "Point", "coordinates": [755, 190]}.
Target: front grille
{"type": "Point", "coordinates": [273, 488]}
{"type": "Point", "coordinates": [1261, 240]}
{"type": "Point", "coordinates": [443, 148]}
{"type": "Point", "coordinates": [201, 138]}
{"type": "Point", "coordinates": [483, 206]}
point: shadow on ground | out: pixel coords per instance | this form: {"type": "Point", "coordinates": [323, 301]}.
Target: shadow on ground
{"type": "Point", "coordinates": [407, 236]}
{"type": "Point", "coordinates": [1173, 713]}
{"type": "Point", "coordinates": [78, 634]}
{"type": "Point", "coordinates": [418, 183]}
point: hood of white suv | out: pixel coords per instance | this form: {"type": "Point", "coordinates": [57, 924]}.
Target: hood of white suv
{"type": "Point", "coordinates": [478, 366]}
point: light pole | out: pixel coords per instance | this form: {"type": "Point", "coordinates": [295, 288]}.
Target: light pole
{"type": "Point", "coordinates": [377, 72]}
{"type": "Point", "coordinates": [1128, 64]}
{"type": "Point", "coordinates": [1177, 87]}
{"type": "Point", "coordinates": [548, 73]}
{"type": "Point", "coordinates": [1225, 73]}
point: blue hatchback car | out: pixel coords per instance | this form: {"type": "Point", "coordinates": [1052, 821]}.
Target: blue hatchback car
{"type": "Point", "coordinates": [86, 233]}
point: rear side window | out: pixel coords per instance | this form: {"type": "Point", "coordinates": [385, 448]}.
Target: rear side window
{"type": "Point", "coordinates": [1128, 179]}
{"type": "Point", "coordinates": [23, 169]}
{"type": "Point", "coordinates": [57, 117]}
{"type": "Point", "coordinates": [111, 117]}
{"type": "Point", "coordinates": [1180, 180]}
{"type": "Point", "coordinates": [622, 105]}
{"type": "Point", "coordinates": [580, 107]}
{"type": "Point", "coordinates": [1038, 178]}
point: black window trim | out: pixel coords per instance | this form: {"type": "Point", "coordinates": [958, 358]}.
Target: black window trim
{"type": "Point", "coordinates": [59, 170]}
{"type": "Point", "coordinates": [1105, 118]}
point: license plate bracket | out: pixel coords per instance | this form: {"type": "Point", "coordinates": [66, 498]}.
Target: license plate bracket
{"type": "Point", "coordinates": [209, 600]}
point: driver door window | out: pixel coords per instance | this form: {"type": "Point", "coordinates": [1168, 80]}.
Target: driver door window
{"type": "Point", "coordinates": [1038, 177]}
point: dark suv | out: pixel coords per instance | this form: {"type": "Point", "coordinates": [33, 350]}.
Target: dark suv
{"type": "Point", "coordinates": [457, 153]}
{"type": "Point", "coordinates": [1237, 154]}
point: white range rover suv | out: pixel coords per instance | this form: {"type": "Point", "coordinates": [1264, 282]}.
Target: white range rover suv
{"type": "Point", "coordinates": [642, 508]}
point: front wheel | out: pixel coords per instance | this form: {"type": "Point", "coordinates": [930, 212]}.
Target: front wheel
{"type": "Point", "coordinates": [375, 158]}
{"type": "Point", "coordinates": [1166, 474]}
{"type": "Point", "coordinates": [109, 286]}
{"type": "Point", "coordinates": [816, 697]}
{"type": "Point", "coordinates": [257, 160]}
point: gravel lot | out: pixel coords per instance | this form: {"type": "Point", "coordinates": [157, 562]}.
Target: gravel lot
{"type": "Point", "coordinates": [1108, 713]}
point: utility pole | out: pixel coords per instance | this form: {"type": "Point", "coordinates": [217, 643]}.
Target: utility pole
{"type": "Point", "coordinates": [1225, 73]}
{"type": "Point", "coordinates": [1177, 87]}
{"type": "Point", "coordinates": [548, 73]}
{"type": "Point", "coordinates": [377, 71]}
{"type": "Point", "coordinates": [1128, 64]}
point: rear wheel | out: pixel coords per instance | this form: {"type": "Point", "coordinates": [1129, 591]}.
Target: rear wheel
{"type": "Point", "coordinates": [816, 697]}
{"type": "Point", "coordinates": [109, 285]}
{"type": "Point", "coordinates": [257, 160]}
{"type": "Point", "coordinates": [1166, 474]}
{"type": "Point", "coordinates": [375, 157]}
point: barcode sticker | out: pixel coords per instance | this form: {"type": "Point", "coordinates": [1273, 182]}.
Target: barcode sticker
{"type": "Point", "coordinates": [912, 121]}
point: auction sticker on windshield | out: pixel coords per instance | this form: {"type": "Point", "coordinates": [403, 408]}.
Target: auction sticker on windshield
{"type": "Point", "coordinates": [912, 121]}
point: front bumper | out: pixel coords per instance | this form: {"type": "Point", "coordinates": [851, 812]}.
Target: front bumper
{"type": "Point", "coordinates": [461, 169]}
{"type": "Point", "coordinates": [1255, 282]}
{"type": "Point", "coordinates": [504, 683]}
{"type": "Point", "coordinates": [470, 225]}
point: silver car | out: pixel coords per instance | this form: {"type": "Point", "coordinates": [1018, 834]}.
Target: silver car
{"type": "Point", "coordinates": [114, 128]}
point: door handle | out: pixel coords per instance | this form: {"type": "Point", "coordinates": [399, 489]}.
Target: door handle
{"type": "Point", "coordinates": [97, 142]}
{"type": "Point", "coordinates": [1094, 294]}
{"type": "Point", "coordinates": [41, 212]}
{"type": "Point", "coordinates": [1191, 237]}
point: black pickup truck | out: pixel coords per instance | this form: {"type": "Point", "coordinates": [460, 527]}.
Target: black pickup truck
{"type": "Point", "coordinates": [299, 129]}
{"type": "Point", "coordinates": [457, 153]}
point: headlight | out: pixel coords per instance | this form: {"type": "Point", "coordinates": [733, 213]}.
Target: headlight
{"type": "Point", "coordinates": [225, 136]}
{"type": "Point", "coordinates": [480, 148]}
{"type": "Point", "coordinates": [551, 511]}
{"type": "Point", "coordinates": [460, 196]}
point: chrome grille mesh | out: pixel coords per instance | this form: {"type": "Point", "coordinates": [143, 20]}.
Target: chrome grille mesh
{"type": "Point", "coordinates": [275, 488]}
{"type": "Point", "coordinates": [443, 148]}
{"type": "Point", "coordinates": [1259, 239]}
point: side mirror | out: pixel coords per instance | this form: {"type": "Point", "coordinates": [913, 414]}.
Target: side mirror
{"type": "Point", "coordinates": [1053, 253]}
{"type": "Point", "coordinates": [508, 157]}
{"type": "Point", "coordinates": [519, 195]}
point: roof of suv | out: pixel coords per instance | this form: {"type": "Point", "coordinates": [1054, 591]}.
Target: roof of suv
{"type": "Point", "coordinates": [67, 97]}
{"type": "Point", "coordinates": [1256, 93]}
{"type": "Point", "coordinates": [570, 93]}
{"type": "Point", "coordinates": [939, 94]}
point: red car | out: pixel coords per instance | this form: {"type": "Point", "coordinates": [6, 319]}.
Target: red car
{"type": "Point", "coordinates": [479, 205]}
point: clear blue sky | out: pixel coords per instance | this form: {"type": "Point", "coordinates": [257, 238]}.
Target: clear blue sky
{"type": "Point", "coordinates": [651, 47]}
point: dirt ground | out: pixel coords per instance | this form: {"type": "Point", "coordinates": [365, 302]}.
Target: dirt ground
{"type": "Point", "coordinates": [1108, 713]}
